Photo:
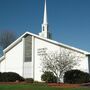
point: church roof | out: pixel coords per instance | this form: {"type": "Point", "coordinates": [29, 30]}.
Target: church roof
{"type": "Point", "coordinates": [45, 39]}
{"type": "Point", "coordinates": [49, 40]}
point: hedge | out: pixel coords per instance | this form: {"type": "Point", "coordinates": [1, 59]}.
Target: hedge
{"type": "Point", "coordinates": [10, 77]}
{"type": "Point", "coordinates": [76, 77]}
{"type": "Point", "coordinates": [49, 77]}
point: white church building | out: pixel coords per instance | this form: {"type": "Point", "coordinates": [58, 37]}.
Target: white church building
{"type": "Point", "coordinates": [22, 56]}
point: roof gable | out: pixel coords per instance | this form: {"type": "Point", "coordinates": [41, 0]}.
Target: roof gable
{"type": "Point", "coordinates": [48, 40]}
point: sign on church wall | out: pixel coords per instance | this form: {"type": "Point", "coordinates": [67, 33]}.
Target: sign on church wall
{"type": "Point", "coordinates": [41, 51]}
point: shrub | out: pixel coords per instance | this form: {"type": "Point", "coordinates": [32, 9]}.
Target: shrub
{"type": "Point", "coordinates": [76, 76]}
{"type": "Point", "coordinates": [10, 77]}
{"type": "Point", "coordinates": [49, 77]}
{"type": "Point", "coordinates": [29, 80]}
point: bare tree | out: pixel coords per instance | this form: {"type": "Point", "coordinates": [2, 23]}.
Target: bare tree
{"type": "Point", "coordinates": [6, 38]}
{"type": "Point", "coordinates": [59, 63]}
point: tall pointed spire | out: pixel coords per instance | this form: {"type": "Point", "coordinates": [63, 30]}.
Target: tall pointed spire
{"type": "Point", "coordinates": [45, 14]}
{"type": "Point", "coordinates": [45, 32]}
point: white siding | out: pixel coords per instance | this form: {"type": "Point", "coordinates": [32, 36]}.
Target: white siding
{"type": "Point", "coordinates": [13, 61]}
{"type": "Point", "coordinates": [83, 64]}
{"type": "Point", "coordinates": [2, 66]}
{"type": "Point", "coordinates": [39, 44]}
{"type": "Point", "coordinates": [28, 73]}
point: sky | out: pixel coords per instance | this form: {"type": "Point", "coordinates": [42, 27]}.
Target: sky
{"type": "Point", "coordinates": [69, 20]}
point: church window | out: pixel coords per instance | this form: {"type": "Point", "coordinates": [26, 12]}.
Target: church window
{"type": "Point", "coordinates": [28, 48]}
{"type": "Point", "coordinates": [43, 28]}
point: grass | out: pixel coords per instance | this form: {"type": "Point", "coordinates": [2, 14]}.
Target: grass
{"type": "Point", "coordinates": [35, 87]}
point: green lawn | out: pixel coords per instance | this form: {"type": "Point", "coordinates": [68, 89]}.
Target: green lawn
{"type": "Point", "coordinates": [34, 87]}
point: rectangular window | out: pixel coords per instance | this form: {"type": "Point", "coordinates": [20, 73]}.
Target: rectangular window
{"type": "Point", "coordinates": [28, 48]}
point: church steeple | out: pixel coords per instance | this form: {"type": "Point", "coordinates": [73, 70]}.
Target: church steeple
{"type": "Point", "coordinates": [45, 14]}
{"type": "Point", "coordinates": [45, 33]}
